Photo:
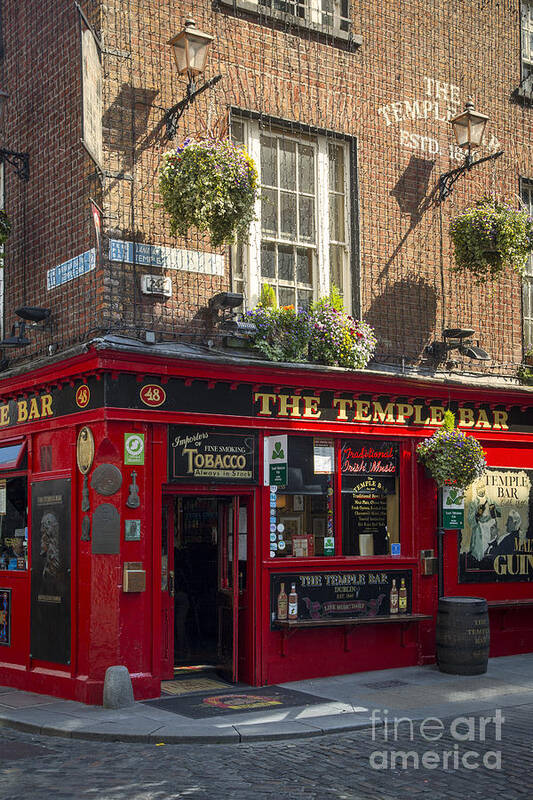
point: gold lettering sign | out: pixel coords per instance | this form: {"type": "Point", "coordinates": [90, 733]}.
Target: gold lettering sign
{"type": "Point", "coordinates": [26, 410]}
{"type": "Point", "coordinates": [383, 412]}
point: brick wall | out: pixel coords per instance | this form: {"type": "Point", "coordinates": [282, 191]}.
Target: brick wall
{"type": "Point", "coordinates": [418, 58]}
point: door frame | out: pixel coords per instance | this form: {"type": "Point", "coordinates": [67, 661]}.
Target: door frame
{"type": "Point", "coordinates": [252, 497]}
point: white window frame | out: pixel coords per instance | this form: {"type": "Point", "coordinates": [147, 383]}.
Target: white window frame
{"type": "Point", "coordinates": [251, 252]}
{"type": "Point", "coordinates": [527, 37]}
{"type": "Point", "coordinates": [527, 276]}
{"type": "Point", "coordinates": [310, 14]}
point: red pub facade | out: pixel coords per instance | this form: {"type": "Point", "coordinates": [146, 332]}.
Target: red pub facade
{"type": "Point", "coordinates": [170, 499]}
{"type": "Point", "coordinates": [273, 520]}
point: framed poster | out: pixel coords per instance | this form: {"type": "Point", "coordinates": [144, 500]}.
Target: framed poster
{"type": "Point", "coordinates": [292, 525]}
{"type": "Point", "coordinates": [50, 573]}
{"type": "Point", "coordinates": [496, 543]}
{"type": "Point", "coordinates": [298, 502]}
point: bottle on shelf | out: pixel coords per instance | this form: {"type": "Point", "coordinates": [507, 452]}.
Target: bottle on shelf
{"type": "Point", "coordinates": [402, 599]}
{"type": "Point", "coordinates": [394, 598]}
{"type": "Point", "coordinates": [282, 603]}
{"type": "Point", "coordinates": [293, 603]}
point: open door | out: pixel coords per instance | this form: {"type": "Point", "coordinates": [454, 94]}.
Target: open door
{"type": "Point", "coordinates": [168, 523]}
{"type": "Point", "coordinates": [228, 588]}
{"type": "Point", "coordinates": [204, 584]}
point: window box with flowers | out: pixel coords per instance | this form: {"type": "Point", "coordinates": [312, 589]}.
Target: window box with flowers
{"type": "Point", "coordinates": [324, 334]}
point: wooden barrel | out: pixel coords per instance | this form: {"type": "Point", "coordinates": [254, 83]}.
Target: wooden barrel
{"type": "Point", "coordinates": [463, 635]}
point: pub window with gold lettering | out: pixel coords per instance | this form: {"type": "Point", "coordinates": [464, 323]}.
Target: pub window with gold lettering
{"type": "Point", "coordinates": [302, 510]}
{"type": "Point", "coordinates": [370, 498]}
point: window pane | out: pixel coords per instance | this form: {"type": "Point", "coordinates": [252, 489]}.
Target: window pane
{"type": "Point", "coordinates": [304, 508]}
{"type": "Point", "coordinates": [268, 260]}
{"type": "Point", "coordinates": [286, 264]}
{"type": "Point", "coordinates": [237, 131]}
{"type": "Point", "coordinates": [306, 169]}
{"type": "Point", "coordinates": [304, 266]}
{"type": "Point", "coordinates": [269, 161]}
{"type": "Point", "coordinates": [288, 215]}
{"type": "Point", "coordinates": [336, 168]}
{"type": "Point", "coordinates": [336, 217]}
{"type": "Point", "coordinates": [336, 267]}
{"type": "Point", "coordinates": [286, 297]}
{"type": "Point", "coordinates": [307, 218]}
{"type": "Point", "coordinates": [287, 164]}
{"type": "Point", "coordinates": [370, 505]}
{"type": "Point", "coordinates": [269, 211]}
{"type": "Point", "coordinates": [305, 299]}
{"type": "Point", "coordinates": [14, 530]}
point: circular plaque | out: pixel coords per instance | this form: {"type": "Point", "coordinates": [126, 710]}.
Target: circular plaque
{"type": "Point", "coordinates": [106, 479]}
{"type": "Point", "coordinates": [85, 450]}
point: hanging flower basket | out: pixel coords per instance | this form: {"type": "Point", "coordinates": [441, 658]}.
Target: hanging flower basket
{"type": "Point", "coordinates": [5, 228]}
{"type": "Point", "coordinates": [451, 457]}
{"type": "Point", "coordinates": [490, 237]}
{"type": "Point", "coordinates": [210, 185]}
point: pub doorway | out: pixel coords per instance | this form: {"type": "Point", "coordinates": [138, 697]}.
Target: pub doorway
{"type": "Point", "coordinates": [205, 583]}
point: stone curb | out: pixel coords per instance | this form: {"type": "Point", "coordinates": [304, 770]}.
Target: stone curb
{"type": "Point", "coordinates": [274, 732]}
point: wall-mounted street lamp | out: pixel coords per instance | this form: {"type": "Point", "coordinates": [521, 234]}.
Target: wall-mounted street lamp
{"type": "Point", "coordinates": [28, 314]}
{"type": "Point", "coordinates": [19, 161]}
{"type": "Point", "coordinates": [456, 339]}
{"type": "Point", "coordinates": [190, 48]}
{"type": "Point", "coordinates": [468, 128]}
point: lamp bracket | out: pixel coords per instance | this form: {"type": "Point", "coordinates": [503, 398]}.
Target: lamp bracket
{"type": "Point", "coordinates": [447, 180]}
{"type": "Point", "coordinates": [19, 161]}
{"type": "Point", "coordinates": [174, 114]}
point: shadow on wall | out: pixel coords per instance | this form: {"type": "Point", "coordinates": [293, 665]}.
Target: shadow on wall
{"type": "Point", "coordinates": [404, 318]}
{"type": "Point", "coordinates": [411, 190]}
{"type": "Point", "coordinates": [125, 124]}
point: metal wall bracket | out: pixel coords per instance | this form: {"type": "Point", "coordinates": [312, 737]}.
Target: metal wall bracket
{"type": "Point", "coordinates": [174, 114]}
{"type": "Point", "coordinates": [447, 180]}
{"type": "Point", "coordinates": [19, 161]}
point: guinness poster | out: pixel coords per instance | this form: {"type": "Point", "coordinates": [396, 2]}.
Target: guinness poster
{"type": "Point", "coordinates": [339, 595]}
{"type": "Point", "coordinates": [497, 541]}
{"type": "Point", "coordinates": [50, 573]}
{"type": "Point", "coordinates": [203, 455]}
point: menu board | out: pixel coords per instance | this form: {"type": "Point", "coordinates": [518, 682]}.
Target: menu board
{"type": "Point", "coordinates": [339, 595]}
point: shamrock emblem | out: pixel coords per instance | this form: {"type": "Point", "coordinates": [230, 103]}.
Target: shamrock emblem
{"type": "Point", "coordinates": [278, 452]}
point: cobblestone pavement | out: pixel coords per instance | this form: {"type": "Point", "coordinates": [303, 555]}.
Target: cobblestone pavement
{"type": "Point", "coordinates": [335, 767]}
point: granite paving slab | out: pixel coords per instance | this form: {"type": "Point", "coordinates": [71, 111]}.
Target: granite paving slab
{"type": "Point", "coordinates": [22, 699]}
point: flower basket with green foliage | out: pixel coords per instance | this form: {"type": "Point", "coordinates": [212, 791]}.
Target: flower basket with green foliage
{"type": "Point", "coordinates": [451, 457]}
{"type": "Point", "coordinates": [282, 334]}
{"type": "Point", "coordinates": [323, 335]}
{"type": "Point", "coordinates": [5, 228]}
{"type": "Point", "coordinates": [525, 374]}
{"type": "Point", "coordinates": [490, 237]}
{"type": "Point", "coordinates": [210, 185]}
